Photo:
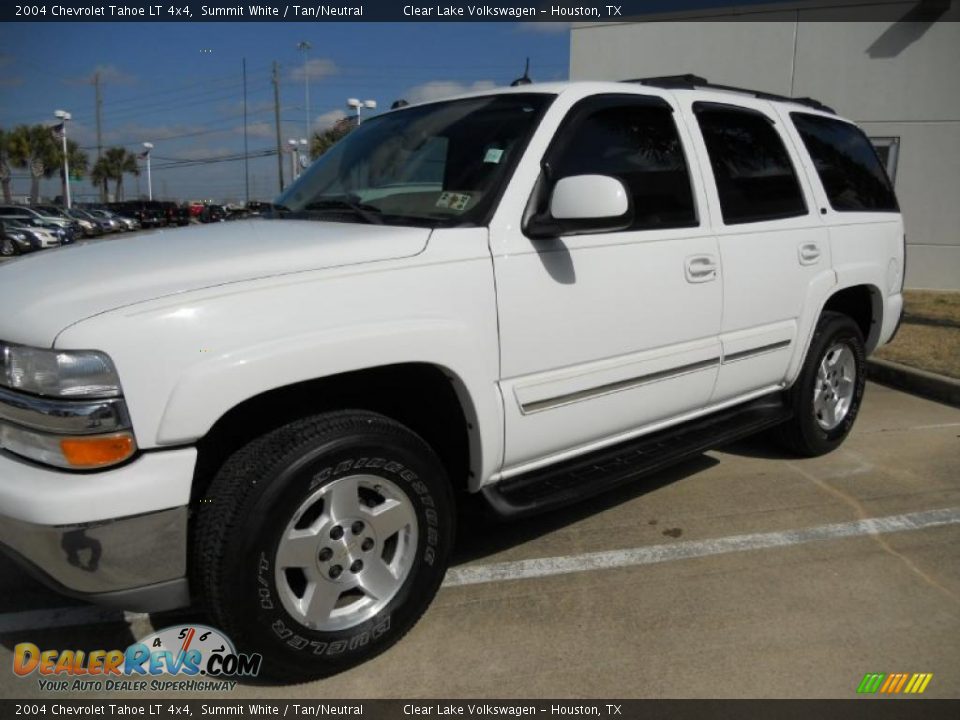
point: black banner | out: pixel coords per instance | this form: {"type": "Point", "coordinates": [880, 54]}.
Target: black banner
{"type": "Point", "coordinates": [603, 11]}
{"type": "Point", "coordinates": [486, 709]}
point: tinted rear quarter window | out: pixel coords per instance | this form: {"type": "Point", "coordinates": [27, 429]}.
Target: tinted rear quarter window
{"type": "Point", "coordinates": [754, 175]}
{"type": "Point", "coordinates": [639, 145]}
{"type": "Point", "coordinates": [847, 163]}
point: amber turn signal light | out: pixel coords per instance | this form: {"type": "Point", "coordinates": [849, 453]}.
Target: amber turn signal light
{"type": "Point", "coordinates": [97, 451]}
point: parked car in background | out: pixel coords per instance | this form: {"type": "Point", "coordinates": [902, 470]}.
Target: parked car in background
{"type": "Point", "coordinates": [116, 223]}
{"type": "Point", "coordinates": [100, 225]}
{"type": "Point", "coordinates": [258, 207]}
{"type": "Point", "coordinates": [112, 224]}
{"type": "Point", "coordinates": [175, 213]}
{"type": "Point", "coordinates": [33, 217]}
{"type": "Point", "coordinates": [149, 213]}
{"type": "Point", "coordinates": [88, 228]}
{"type": "Point", "coordinates": [40, 237]}
{"type": "Point", "coordinates": [213, 213]}
{"type": "Point", "coordinates": [16, 241]}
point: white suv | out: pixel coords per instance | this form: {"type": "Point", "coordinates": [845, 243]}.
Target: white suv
{"type": "Point", "coordinates": [529, 295]}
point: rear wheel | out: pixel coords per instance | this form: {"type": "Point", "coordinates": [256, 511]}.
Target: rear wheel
{"type": "Point", "coordinates": [826, 396]}
{"type": "Point", "coordinates": [322, 543]}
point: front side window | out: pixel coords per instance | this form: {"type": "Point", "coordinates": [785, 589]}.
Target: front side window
{"type": "Point", "coordinates": [852, 175]}
{"type": "Point", "coordinates": [754, 175]}
{"type": "Point", "coordinates": [639, 145]}
{"type": "Point", "coordinates": [442, 164]}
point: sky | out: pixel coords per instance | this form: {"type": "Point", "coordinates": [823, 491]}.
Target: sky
{"type": "Point", "coordinates": [179, 86]}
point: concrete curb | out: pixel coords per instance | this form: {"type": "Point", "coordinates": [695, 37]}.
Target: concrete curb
{"type": "Point", "coordinates": [919, 382]}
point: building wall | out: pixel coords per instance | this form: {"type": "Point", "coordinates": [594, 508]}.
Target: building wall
{"type": "Point", "coordinates": [896, 79]}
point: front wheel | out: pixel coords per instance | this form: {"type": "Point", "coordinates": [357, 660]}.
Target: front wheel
{"type": "Point", "coordinates": [322, 543]}
{"type": "Point", "coordinates": [826, 396]}
{"type": "Point", "coordinates": [7, 247]}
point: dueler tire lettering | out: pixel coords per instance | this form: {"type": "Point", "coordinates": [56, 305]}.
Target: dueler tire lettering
{"type": "Point", "coordinates": [253, 498]}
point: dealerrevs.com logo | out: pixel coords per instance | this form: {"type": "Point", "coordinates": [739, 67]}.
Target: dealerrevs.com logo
{"type": "Point", "coordinates": [181, 658]}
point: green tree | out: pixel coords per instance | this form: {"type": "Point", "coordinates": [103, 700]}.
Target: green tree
{"type": "Point", "coordinates": [33, 147]}
{"type": "Point", "coordinates": [323, 141]}
{"type": "Point", "coordinates": [100, 176]}
{"type": "Point", "coordinates": [5, 171]}
{"type": "Point", "coordinates": [118, 162]}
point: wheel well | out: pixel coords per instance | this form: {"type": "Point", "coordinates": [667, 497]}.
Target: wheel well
{"type": "Point", "coordinates": [418, 395]}
{"type": "Point", "coordinates": [861, 304]}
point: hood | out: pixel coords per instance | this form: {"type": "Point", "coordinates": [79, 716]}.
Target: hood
{"type": "Point", "coordinates": [53, 289]}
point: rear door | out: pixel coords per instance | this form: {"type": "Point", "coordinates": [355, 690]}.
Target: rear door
{"type": "Point", "coordinates": [773, 244]}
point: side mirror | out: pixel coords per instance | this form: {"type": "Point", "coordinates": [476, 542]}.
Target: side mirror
{"type": "Point", "coordinates": [583, 204]}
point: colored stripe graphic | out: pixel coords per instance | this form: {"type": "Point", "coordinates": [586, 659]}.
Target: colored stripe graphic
{"type": "Point", "coordinates": [894, 683]}
{"type": "Point", "coordinates": [870, 683]}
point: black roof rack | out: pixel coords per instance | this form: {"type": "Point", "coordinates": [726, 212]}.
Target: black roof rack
{"type": "Point", "coordinates": [691, 82]}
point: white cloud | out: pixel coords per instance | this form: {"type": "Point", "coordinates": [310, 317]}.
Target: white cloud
{"type": "Point", "coordinates": [327, 119]}
{"type": "Point", "coordinates": [315, 69]}
{"type": "Point", "coordinates": [259, 130]}
{"type": "Point", "coordinates": [439, 89]}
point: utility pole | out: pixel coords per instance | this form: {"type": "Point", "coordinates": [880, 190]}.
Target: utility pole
{"type": "Point", "coordinates": [246, 152]}
{"type": "Point", "coordinates": [98, 104]}
{"type": "Point", "coordinates": [276, 114]}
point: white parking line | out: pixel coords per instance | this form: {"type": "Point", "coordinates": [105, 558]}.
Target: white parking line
{"type": "Point", "coordinates": [543, 567]}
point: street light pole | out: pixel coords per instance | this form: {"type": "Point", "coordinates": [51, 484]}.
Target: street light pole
{"type": "Point", "coordinates": [293, 159]}
{"type": "Point", "coordinates": [64, 116]}
{"type": "Point", "coordinates": [149, 147]}
{"type": "Point", "coordinates": [305, 47]}
{"type": "Point", "coordinates": [357, 104]}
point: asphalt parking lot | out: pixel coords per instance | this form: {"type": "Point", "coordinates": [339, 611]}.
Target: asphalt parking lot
{"type": "Point", "coordinates": [742, 573]}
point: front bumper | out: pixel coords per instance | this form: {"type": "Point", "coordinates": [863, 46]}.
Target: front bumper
{"type": "Point", "coordinates": [115, 537]}
{"type": "Point", "coordinates": [133, 563]}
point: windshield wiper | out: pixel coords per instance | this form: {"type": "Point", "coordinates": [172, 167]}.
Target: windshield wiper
{"type": "Point", "coordinates": [369, 213]}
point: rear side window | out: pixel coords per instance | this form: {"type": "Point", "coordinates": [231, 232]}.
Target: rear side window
{"type": "Point", "coordinates": [755, 178]}
{"type": "Point", "coordinates": [847, 163]}
{"type": "Point", "coordinates": [639, 145]}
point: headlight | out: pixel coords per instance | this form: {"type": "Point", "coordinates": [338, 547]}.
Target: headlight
{"type": "Point", "coordinates": [63, 408]}
{"type": "Point", "coordinates": [58, 373]}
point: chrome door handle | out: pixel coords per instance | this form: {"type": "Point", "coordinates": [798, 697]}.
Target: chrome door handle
{"type": "Point", "coordinates": [808, 253]}
{"type": "Point", "coordinates": [700, 268]}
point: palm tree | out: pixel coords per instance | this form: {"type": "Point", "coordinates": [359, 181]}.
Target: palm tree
{"type": "Point", "coordinates": [33, 147]}
{"type": "Point", "coordinates": [100, 176]}
{"type": "Point", "coordinates": [79, 162]}
{"type": "Point", "coordinates": [119, 161]}
{"type": "Point", "coordinates": [5, 173]}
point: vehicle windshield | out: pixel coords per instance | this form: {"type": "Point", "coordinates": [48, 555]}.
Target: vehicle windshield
{"type": "Point", "coordinates": [433, 165]}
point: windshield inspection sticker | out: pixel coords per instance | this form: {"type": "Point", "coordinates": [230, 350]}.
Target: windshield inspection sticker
{"type": "Point", "coordinates": [454, 201]}
{"type": "Point", "coordinates": [493, 155]}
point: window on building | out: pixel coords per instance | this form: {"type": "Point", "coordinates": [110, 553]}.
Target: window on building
{"type": "Point", "coordinates": [888, 150]}
{"type": "Point", "coordinates": [639, 145]}
{"type": "Point", "coordinates": [849, 167]}
{"type": "Point", "coordinates": [754, 175]}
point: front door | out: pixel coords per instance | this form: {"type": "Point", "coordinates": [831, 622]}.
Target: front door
{"type": "Point", "coordinates": [606, 335]}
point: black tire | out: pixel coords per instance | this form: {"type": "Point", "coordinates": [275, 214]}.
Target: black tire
{"type": "Point", "coordinates": [8, 248]}
{"type": "Point", "coordinates": [260, 490]}
{"type": "Point", "coordinates": [803, 434]}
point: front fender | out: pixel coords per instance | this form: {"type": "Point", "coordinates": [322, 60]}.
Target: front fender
{"type": "Point", "coordinates": [185, 361]}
